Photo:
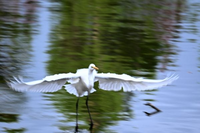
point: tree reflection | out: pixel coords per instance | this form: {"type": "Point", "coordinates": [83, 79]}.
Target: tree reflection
{"type": "Point", "coordinates": [16, 29]}
{"type": "Point", "coordinates": [118, 37]}
{"type": "Point", "coordinates": [19, 130]}
{"type": "Point", "coordinates": [15, 35]}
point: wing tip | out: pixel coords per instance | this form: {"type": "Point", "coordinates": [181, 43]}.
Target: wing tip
{"type": "Point", "coordinates": [13, 82]}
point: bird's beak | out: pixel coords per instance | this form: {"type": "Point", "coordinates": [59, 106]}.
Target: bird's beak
{"type": "Point", "coordinates": [95, 67]}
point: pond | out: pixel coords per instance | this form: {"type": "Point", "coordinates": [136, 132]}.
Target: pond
{"type": "Point", "coordinates": [148, 38]}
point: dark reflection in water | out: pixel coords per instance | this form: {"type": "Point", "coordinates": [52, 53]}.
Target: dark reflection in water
{"type": "Point", "coordinates": [140, 38]}
{"type": "Point", "coordinates": [118, 37]}
{"type": "Point", "coordinates": [17, 20]}
{"type": "Point", "coordinates": [113, 35]}
{"type": "Point", "coordinates": [10, 104]}
{"type": "Point", "coordinates": [16, 28]}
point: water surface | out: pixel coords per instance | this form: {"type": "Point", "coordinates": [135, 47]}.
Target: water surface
{"type": "Point", "coordinates": [149, 39]}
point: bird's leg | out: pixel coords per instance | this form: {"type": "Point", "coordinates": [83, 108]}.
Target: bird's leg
{"type": "Point", "coordinates": [76, 128]}
{"type": "Point", "coordinates": [91, 124]}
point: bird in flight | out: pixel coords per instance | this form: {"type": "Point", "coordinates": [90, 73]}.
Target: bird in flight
{"type": "Point", "coordinates": [81, 83]}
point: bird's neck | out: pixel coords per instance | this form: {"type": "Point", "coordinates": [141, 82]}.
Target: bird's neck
{"type": "Point", "coordinates": [91, 74]}
{"type": "Point", "coordinates": [91, 78]}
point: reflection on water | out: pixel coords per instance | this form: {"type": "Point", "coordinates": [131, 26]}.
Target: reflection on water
{"type": "Point", "coordinates": [16, 28]}
{"type": "Point", "coordinates": [118, 39]}
{"type": "Point", "coordinates": [10, 103]}
{"type": "Point", "coordinates": [142, 38]}
{"type": "Point", "coordinates": [125, 35]}
{"type": "Point", "coordinates": [17, 20]}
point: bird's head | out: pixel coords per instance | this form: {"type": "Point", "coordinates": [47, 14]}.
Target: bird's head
{"type": "Point", "coordinates": [92, 67]}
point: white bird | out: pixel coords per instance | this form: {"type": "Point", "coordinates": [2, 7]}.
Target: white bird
{"type": "Point", "coordinates": [82, 83]}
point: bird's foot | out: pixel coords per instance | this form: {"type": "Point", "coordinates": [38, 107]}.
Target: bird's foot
{"type": "Point", "coordinates": [152, 106]}
{"type": "Point", "coordinates": [91, 126]}
{"type": "Point", "coordinates": [76, 128]}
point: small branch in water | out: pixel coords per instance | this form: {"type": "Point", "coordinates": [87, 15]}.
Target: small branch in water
{"type": "Point", "coordinates": [152, 106]}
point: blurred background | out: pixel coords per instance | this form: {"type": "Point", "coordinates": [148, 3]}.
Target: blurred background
{"type": "Point", "coordinates": [147, 38]}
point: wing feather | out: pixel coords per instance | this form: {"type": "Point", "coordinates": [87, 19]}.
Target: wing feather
{"type": "Point", "coordinates": [48, 84]}
{"type": "Point", "coordinates": [111, 81]}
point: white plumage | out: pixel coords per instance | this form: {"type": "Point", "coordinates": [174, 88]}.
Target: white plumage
{"type": "Point", "coordinates": [82, 82]}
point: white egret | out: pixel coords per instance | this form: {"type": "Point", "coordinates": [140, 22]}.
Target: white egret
{"type": "Point", "coordinates": [82, 83]}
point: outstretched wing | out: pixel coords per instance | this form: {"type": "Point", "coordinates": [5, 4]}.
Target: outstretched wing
{"type": "Point", "coordinates": [111, 81]}
{"type": "Point", "coordinates": [48, 84]}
